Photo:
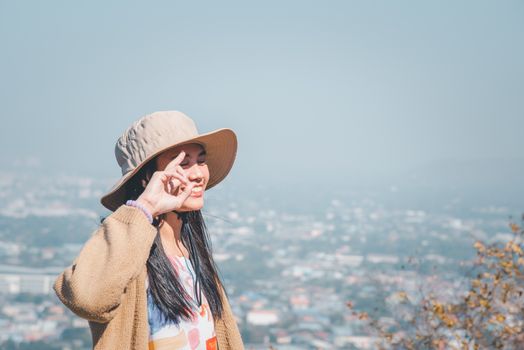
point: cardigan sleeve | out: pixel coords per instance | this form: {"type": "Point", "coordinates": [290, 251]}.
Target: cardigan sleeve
{"type": "Point", "coordinates": [93, 286]}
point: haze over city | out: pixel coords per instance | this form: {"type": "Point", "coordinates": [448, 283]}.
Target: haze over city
{"type": "Point", "coordinates": [379, 144]}
{"type": "Point", "coordinates": [347, 93]}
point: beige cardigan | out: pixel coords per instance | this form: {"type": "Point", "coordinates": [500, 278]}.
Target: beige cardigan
{"type": "Point", "coordinates": [106, 285]}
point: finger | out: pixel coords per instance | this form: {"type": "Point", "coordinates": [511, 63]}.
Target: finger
{"type": "Point", "coordinates": [181, 171]}
{"type": "Point", "coordinates": [157, 180]}
{"type": "Point", "coordinates": [174, 180]}
{"type": "Point", "coordinates": [186, 192]}
{"type": "Point", "coordinates": [176, 175]}
{"type": "Point", "coordinates": [177, 160]}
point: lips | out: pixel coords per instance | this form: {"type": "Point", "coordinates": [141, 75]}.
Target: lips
{"type": "Point", "coordinates": [196, 191]}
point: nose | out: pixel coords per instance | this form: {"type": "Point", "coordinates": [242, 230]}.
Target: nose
{"type": "Point", "coordinates": [195, 174]}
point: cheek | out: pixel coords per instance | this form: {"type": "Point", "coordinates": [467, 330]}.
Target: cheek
{"type": "Point", "coordinates": [205, 171]}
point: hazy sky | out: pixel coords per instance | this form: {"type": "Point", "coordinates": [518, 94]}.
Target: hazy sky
{"type": "Point", "coordinates": [319, 92]}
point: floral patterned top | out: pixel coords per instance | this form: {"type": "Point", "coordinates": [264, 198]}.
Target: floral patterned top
{"type": "Point", "coordinates": [197, 334]}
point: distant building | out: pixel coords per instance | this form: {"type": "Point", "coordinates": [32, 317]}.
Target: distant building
{"type": "Point", "coordinates": [262, 317]}
{"type": "Point", "coordinates": [19, 279]}
{"type": "Point", "coordinates": [35, 284]}
{"type": "Point", "coordinates": [382, 259]}
{"type": "Point", "coordinates": [299, 301]}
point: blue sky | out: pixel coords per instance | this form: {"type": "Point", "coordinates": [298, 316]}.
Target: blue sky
{"type": "Point", "coordinates": [319, 93]}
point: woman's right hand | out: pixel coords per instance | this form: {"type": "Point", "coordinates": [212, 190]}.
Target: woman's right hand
{"type": "Point", "coordinates": [161, 195]}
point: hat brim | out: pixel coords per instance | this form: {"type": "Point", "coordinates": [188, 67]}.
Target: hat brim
{"type": "Point", "coordinates": [221, 149]}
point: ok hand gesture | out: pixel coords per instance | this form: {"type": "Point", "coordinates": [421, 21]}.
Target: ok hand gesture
{"type": "Point", "coordinates": [162, 194]}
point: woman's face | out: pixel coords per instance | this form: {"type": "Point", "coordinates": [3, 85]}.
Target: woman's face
{"type": "Point", "coordinates": [194, 164]}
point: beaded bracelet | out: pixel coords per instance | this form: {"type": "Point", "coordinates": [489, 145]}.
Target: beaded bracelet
{"type": "Point", "coordinates": [135, 204]}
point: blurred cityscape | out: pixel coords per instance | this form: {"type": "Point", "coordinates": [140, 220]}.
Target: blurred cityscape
{"type": "Point", "coordinates": [290, 263]}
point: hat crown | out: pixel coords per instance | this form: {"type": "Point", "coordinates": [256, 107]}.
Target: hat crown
{"type": "Point", "coordinates": [150, 134]}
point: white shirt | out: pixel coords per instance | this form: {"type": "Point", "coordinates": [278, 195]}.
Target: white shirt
{"type": "Point", "coordinates": [197, 334]}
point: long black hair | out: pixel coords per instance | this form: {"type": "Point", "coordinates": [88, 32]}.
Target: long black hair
{"type": "Point", "coordinates": [164, 284]}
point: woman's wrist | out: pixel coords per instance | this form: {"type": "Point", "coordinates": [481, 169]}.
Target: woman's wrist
{"type": "Point", "coordinates": [147, 204]}
{"type": "Point", "coordinates": [146, 208]}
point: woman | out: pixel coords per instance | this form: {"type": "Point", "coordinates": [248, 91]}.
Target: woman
{"type": "Point", "coordinates": [146, 278]}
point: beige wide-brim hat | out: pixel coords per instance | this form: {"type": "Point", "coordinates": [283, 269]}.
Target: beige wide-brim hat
{"type": "Point", "coordinates": [157, 132]}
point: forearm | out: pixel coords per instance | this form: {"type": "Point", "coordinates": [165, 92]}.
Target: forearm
{"type": "Point", "coordinates": [93, 285]}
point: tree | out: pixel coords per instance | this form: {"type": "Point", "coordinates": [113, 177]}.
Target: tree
{"type": "Point", "coordinates": [490, 315]}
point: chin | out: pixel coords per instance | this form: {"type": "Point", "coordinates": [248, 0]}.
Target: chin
{"type": "Point", "coordinates": [192, 204]}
